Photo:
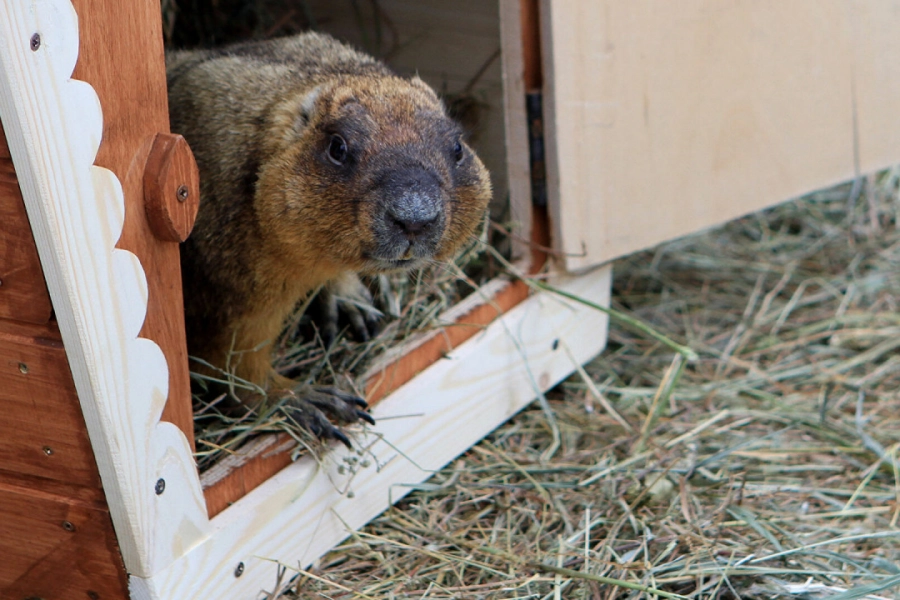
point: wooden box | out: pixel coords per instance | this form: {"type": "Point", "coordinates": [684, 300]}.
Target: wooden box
{"type": "Point", "coordinates": [659, 119]}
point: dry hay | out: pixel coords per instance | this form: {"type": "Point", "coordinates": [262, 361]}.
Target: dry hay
{"type": "Point", "coordinates": [769, 468]}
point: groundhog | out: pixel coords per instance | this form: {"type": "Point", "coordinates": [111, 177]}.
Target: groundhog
{"type": "Point", "coordinates": [318, 164]}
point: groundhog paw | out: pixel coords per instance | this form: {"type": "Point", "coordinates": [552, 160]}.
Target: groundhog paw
{"type": "Point", "coordinates": [346, 301]}
{"type": "Point", "coordinates": [315, 407]}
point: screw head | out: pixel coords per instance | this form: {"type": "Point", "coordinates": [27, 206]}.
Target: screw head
{"type": "Point", "coordinates": [160, 486]}
{"type": "Point", "coordinates": [93, 595]}
{"type": "Point", "coordinates": [48, 450]}
{"type": "Point", "coordinates": [35, 42]}
{"type": "Point", "coordinates": [182, 193]}
{"type": "Point", "coordinates": [23, 368]}
{"type": "Point", "coordinates": [67, 525]}
{"type": "Point", "coordinates": [239, 569]}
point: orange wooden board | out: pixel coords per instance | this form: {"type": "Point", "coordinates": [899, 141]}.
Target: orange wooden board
{"type": "Point", "coordinates": [56, 536]}
{"type": "Point", "coordinates": [402, 370]}
{"type": "Point", "coordinates": [23, 292]}
{"type": "Point", "coordinates": [249, 467]}
{"type": "Point", "coordinates": [121, 56]}
{"type": "Point", "coordinates": [42, 432]}
{"type": "Point", "coordinates": [55, 548]}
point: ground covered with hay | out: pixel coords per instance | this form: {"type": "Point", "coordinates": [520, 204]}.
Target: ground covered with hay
{"type": "Point", "coordinates": [767, 467]}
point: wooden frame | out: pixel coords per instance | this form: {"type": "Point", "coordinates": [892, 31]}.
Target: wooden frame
{"type": "Point", "coordinates": [170, 547]}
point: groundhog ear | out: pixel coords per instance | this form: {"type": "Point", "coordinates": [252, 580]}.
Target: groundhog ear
{"type": "Point", "coordinates": [307, 108]}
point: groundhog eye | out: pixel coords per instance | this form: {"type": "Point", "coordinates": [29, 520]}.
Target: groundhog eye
{"type": "Point", "coordinates": [458, 153]}
{"type": "Point", "coordinates": [337, 150]}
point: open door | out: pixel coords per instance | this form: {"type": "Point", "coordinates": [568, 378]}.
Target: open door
{"type": "Point", "coordinates": [664, 118]}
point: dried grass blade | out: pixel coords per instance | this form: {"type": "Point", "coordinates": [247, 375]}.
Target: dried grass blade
{"type": "Point", "coordinates": [668, 383]}
{"type": "Point", "coordinates": [685, 351]}
{"type": "Point", "coordinates": [868, 590]}
{"type": "Point", "coordinates": [741, 513]}
{"type": "Point", "coordinates": [604, 402]}
{"type": "Point", "coordinates": [841, 540]}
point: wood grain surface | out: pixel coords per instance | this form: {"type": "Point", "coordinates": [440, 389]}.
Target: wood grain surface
{"type": "Point", "coordinates": [23, 293]}
{"type": "Point", "coordinates": [56, 535]}
{"type": "Point", "coordinates": [57, 547]}
{"type": "Point", "coordinates": [664, 118]}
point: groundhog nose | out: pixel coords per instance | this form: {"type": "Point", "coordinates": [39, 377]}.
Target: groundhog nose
{"type": "Point", "coordinates": [414, 217]}
{"type": "Point", "coordinates": [415, 206]}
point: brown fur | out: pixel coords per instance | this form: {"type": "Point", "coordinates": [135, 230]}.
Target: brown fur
{"type": "Point", "coordinates": [278, 218]}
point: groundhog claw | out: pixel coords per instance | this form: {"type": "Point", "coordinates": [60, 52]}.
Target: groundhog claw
{"type": "Point", "coordinates": [365, 417]}
{"type": "Point", "coordinates": [335, 433]}
{"type": "Point", "coordinates": [314, 407]}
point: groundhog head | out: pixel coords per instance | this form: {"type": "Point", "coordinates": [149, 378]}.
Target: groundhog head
{"type": "Point", "coordinates": [371, 175]}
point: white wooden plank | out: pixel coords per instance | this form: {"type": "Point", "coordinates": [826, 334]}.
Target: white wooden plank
{"type": "Point", "coordinates": [304, 511]}
{"type": "Point", "coordinates": [54, 125]}
{"type": "Point", "coordinates": [516, 125]}
{"type": "Point", "coordinates": [664, 117]}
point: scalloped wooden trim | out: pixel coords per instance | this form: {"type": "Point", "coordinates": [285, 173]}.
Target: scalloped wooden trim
{"type": "Point", "coordinates": [53, 125]}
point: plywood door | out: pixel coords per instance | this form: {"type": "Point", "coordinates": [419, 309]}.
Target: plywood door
{"type": "Point", "coordinates": [664, 118]}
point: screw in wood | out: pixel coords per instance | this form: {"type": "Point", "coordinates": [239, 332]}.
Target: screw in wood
{"type": "Point", "coordinates": [93, 595]}
{"type": "Point", "coordinates": [48, 450]}
{"type": "Point", "coordinates": [182, 193]}
{"type": "Point", "coordinates": [239, 570]}
{"type": "Point", "coordinates": [35, 42]}
{"type": "Point", "coordinates": [67, 525]}
{"type": "Point", "coordinates": [160, 486]}
{"type": "Point", "coordinates": [23, 368]}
